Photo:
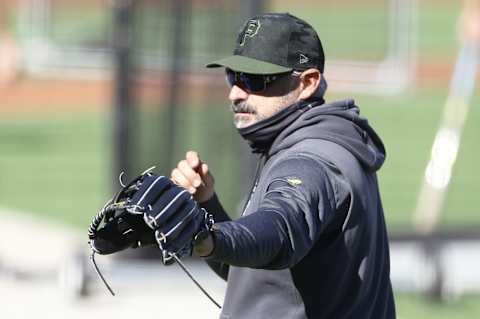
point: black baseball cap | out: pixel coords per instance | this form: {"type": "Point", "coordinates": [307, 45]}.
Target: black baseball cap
{"type": "Point", "coordinates": [275, 43]}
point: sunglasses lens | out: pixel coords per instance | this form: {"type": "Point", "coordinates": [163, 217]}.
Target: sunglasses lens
{"type": "Point", "coordinates": [231, 77]}
{"type": "Point", "coordinates": [253, 82]}
{"type": "Point", "coordinates": [250, 82]}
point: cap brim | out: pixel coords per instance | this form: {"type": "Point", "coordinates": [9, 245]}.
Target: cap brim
{"type": "Point", "coordinates": [245, 64]}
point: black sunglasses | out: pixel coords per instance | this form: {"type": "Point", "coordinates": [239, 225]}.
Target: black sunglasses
{"type": "Point", "coordinates": [254, 83]}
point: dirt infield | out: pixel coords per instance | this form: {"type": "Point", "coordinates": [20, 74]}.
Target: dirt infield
{"type": "Point", "coordinates": [47, 96]}
{"type": "Point", "coordinates": [40, 96]}
{"type": "Point", "coordinates": [53, 96]}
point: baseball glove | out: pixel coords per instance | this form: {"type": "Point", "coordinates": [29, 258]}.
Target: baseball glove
{"type": "Point", "coordinates": [149, 210]}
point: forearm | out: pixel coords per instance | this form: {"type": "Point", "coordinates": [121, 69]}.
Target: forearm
{"type": "Point", "coordinates": [252, 241]}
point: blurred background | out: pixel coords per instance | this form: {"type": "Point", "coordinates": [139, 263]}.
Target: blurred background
{"type": "Point", "coordinates": [93, 88]}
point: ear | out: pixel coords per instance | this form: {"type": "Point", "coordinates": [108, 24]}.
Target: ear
{"type": "Point", "coordinates": [309, 82]}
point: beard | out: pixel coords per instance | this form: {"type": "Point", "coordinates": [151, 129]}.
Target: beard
{"type": "Point", "coordinates": [244, 114]}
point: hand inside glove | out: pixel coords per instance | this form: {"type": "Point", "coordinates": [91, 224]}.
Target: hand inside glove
{"type": "Point", "coordinates": [172, 212]}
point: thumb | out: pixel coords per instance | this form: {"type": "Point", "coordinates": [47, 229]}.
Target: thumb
{"type": "Point", "coordinates": [193, 159]}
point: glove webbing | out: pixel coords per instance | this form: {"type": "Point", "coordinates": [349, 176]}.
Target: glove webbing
{"type": "Point", "coordinates": [97, 220]}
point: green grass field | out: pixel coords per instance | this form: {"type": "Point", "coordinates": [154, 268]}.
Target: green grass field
{"type": "Point", "coordinates": [418, 307]}
{"type": "Point", "coordinates": [56, 167]}
{"type": "Point", "coordinates": [408, 125]}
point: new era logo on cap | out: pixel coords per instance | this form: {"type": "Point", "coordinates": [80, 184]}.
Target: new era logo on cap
{"type": "Point", "coordinates": [303, 59]}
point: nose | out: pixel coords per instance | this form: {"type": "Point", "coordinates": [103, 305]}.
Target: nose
{"type": "Point", "coordinates": [237, 94]}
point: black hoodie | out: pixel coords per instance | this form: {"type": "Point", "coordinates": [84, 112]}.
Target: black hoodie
{"type": "Point", "coordinates": [312, 240]}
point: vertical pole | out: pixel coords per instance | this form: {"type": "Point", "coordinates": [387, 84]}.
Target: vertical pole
{"type": "Point", "coordinates": [179, 56]}
{"type": "Point", "coordinates": [123, 103]}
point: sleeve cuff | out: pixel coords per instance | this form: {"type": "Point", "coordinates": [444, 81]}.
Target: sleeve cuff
{"type": "Point", "coordinates": [214, 207]}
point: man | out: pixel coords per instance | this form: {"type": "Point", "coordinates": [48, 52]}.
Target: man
{"type": "Point", "coordinates": [312, 240]}
{"type": "Point", "coordinates": [469, 23]}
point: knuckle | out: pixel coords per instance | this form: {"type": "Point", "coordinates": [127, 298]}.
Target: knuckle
{"type": "Point", "coordinates": [175, 173]}
{"type": "Point", "coordinates": [186, 170]}
{"type": "Point", "coordinates": [182, 164]}
{"type": "Point", "coordinates": [177, 177]}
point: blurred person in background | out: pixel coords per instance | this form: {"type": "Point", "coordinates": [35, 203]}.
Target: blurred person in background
{"type": "Point", "coordinates": [311, 241]}
{"type": "Point", "coordinates": [8, 46]}
{"type": "Point", "coordinates": [469, 23]}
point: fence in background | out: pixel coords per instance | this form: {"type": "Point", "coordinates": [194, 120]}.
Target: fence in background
{"type": "Point", "coordinates": [166, 102]}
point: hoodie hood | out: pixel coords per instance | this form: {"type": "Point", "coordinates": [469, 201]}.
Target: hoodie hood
{"type": "Point", "coordinates": [338, 122]}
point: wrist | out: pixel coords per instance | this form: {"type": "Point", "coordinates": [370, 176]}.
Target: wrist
{"type": "Point", "coordinates": [204, 196]}
{"type": "Point", "coordinates": [204, 244]}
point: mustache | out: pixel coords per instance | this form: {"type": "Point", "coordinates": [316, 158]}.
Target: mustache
{"type": "Point", "coordinates": [242, 107]}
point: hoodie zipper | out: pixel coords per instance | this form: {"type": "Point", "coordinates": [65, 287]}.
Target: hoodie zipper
{"type": "Point", "coordinates": [260, 165]}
